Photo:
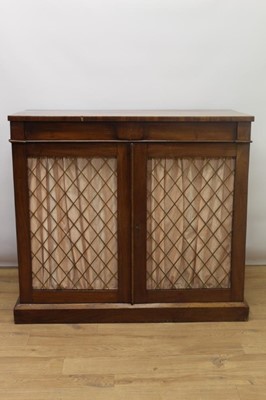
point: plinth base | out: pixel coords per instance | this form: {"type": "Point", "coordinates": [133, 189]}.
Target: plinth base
{"type": "Point", "coordinates": [120, 312]}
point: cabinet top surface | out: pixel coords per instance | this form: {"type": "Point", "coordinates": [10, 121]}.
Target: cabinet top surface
{"type": "Point", "coordinates": [130, 115]}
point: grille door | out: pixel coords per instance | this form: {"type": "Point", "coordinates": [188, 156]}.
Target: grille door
{"type": "Point", "coordinates": [187, 223]}
{"type": "Point", "coordinates": [73, 219]}
{"type": "Point", "coordinates": [78, 224]}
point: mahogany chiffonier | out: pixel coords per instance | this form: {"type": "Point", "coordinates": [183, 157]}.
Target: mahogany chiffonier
{"type": "Point", "coordinates": [130, 216]}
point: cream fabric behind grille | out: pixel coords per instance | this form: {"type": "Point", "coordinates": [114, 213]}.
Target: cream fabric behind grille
{"type": "Point", "coordinates": [189, 222]}
{"type": "Point", "coordinates": [73, 220]}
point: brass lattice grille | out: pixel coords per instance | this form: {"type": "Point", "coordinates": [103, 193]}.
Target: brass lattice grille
{"type": "Point", "coordinates": [73, 221]}
{"type": "Point", "coordinates": [189, 222]}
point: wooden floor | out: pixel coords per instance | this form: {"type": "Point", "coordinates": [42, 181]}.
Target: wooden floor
{"type": "Point", "coordinates": [198, 361]}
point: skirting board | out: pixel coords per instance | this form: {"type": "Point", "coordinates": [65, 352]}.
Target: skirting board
{"type": "Point", "coordinates": [114, 313]}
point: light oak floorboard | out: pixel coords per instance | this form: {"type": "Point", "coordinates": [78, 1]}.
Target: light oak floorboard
{"type": "Point", "coordinates": [214, 361]}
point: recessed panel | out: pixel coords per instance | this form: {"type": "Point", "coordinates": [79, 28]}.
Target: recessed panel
{"type": "Point", "coordinates": [189, 222]}
{"type": "Point", "coordinates": [73, 223]}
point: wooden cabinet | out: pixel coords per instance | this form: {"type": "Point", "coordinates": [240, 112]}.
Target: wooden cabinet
{"type": "Point", "coordinates": [130, 216]}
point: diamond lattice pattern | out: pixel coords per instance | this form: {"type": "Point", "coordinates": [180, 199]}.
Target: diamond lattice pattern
{"type": "Point", "coordinates": [189, 222]}
{"type": "Point", "coordinates": [73, 221]}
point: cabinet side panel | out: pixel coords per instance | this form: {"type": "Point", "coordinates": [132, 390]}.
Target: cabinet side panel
{"type": "Point", "coordinates": [22, 220]}
{"type": "Point", "coordinates": [239, 222]}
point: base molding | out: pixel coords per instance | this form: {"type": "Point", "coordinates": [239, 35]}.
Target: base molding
{"type": "Point", "coordinates": [120, 312]}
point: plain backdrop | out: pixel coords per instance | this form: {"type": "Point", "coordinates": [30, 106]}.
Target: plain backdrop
{"type": "Point", "coordinates": [134, 54]}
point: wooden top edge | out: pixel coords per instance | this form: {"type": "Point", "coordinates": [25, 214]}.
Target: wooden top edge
{"type": "Point", "coordinates": [130, 115]}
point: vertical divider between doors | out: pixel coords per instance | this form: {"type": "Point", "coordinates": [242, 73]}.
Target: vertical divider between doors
{"type": "Point", "coordinates": [124, 225]}
{"type": "Point", "coordinates": [139, 212]}
{"type": "Point", "coordinates": [132, 218]}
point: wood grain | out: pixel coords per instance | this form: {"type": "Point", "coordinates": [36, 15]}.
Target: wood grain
{"type": "Point", "coordinates": [132, 137]}
{"type": "Point", "coordinates": [130, 115]}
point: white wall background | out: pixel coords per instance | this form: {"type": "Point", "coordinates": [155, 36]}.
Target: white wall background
{"type": "Point", "coordinates": [108, 54]}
